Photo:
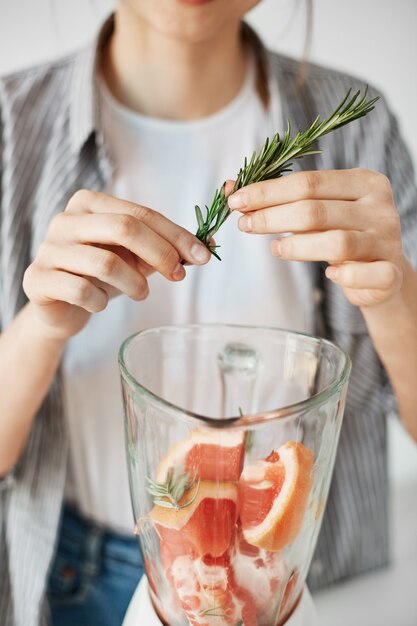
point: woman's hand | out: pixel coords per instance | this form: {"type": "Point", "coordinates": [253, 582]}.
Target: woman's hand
{"type": "Point", "coordinates": [97, 248]}
{"type": "Point", "coordinates": [344, 217]}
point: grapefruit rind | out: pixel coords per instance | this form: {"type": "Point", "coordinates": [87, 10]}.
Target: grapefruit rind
{"type": "Point", "coordinates": [283, 521]}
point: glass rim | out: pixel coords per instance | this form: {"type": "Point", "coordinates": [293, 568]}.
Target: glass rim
{"type": "Point", "coordinates": [238, 421]}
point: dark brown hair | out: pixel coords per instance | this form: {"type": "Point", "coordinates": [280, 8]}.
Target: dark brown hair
{"type": "Point", "coordinates": [252, 40]}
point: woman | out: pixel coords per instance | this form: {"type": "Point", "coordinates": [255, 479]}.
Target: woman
{"type": "Point", "coordinates": [160, 111]}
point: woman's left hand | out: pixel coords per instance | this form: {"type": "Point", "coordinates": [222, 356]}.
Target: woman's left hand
{"type": "Point", "coordinates": [344, 217]}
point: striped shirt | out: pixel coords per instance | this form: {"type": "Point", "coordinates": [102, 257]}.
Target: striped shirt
{"type": "Point", "coordinates": [50, 146]}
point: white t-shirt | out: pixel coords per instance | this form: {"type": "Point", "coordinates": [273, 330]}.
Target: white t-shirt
{"type": "Point", "coordinates": [171, 166]}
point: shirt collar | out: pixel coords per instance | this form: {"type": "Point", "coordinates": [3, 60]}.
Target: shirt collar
{"type": "Point", "coordinates": [84, 114]}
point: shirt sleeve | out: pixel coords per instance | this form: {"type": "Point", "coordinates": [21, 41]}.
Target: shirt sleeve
{"type": "Point", "coordinates": [1, 212]}
{"type": "Point", "coordinates": [374, 142]}
{"type": "Point", "coordinates": [8, 479]}
{"type": "Point", "coordinates": [400, 171]}
{"type": "Point", "coordinates": [398, 167]}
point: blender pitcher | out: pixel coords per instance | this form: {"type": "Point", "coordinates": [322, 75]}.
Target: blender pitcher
{"type": "Point", "coordinates": [231, 437]}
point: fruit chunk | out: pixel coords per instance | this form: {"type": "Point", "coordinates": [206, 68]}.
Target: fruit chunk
{"type": "Point", "coordinates": [208, 523]}
{"type": "Point", "coordinates": [212, 454]}
{"type": "Point", "coordinates": [172, 545]}
{"type": "Point", "coordinates": [209, 594]}
{"type": "Point", "coordinates": [291, 595]}
{"type": "Point", "coordinates": [273, 496]}
{"type": "Point", "coordinates": [261, 573]}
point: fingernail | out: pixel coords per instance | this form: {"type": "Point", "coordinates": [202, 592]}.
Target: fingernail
{"type": "Point", "coordinates": [200, 253]}
{"type": "Point", "coordinates": [237, 200]}
{"type": "Point", "coordinates": [245, 223]}
{"type": "Point", "coordinates": [179, 272]}
{"type": "Point", "coordinates": [332, 272]}
{"type": "Point", "coordinates": [276, 248]}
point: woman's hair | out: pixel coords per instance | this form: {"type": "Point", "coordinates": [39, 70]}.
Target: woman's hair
{"type": "Point", "coordinates": [252, 41]}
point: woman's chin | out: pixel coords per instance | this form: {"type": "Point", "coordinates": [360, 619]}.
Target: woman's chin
{"type": "Point", "coordinates": [195, 2]}
{"type": "Point", "coordinates": [192, 21]}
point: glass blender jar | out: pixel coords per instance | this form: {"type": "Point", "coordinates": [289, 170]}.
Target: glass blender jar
{"type": "Point", "coordinates": [231, 435]}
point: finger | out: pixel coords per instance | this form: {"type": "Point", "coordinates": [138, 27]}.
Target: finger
{"type": "Point", "coordinates": [122, 230]}
{"type": "Point", "coordinates": [98, 263]}
{"type": "Point", "coordinates": [382, 275]}
{"type": "Point", "coordinates": [188, 246]}
{"type": "Point", "coordinates": [328, 184]}
{"type": "Point", "coordinates": [211, 243]}
{"type": "Point", "coordinates": [139, 265]}
{"type": "Point", "coordinates": [112, 292]}
{"type": "Point", "coordinates": [45, 286]}
{"type": "Point", "coordinates": [305, 216]}
{"type": "Point", "coordinates": [334, 246]}
{"type": "Point", "coordinates": [228, 187]}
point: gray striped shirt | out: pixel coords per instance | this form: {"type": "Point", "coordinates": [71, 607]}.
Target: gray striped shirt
{"type": "Point", "coordinates": [50, 146]}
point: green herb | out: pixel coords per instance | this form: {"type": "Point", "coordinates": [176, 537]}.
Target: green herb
{"type": "Point", "coordinates": [213, 612]}
{"type": "Point", "coordinates": [248, 434]}
{"type": "Point", "coordinates": [275, 158]}
{"type": "Point", "coordinates": [240, 623]}
{"type": "Point", "coordinates": [170, 493]}
{"type": "Point", "coordinates": [248, 440]}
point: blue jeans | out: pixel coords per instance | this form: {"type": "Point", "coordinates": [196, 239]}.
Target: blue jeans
{"type": "Point", "coordinates": [94, 574]}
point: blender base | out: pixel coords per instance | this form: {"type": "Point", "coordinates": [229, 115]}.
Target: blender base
{"type": "Point", "coordinates": [141, 612]}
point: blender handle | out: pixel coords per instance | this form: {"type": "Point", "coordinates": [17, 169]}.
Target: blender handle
{"type": "Point", "coordinates": [239, 366]}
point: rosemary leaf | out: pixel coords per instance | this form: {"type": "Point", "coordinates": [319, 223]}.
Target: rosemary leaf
{"type": "Point", "coordinates": [213, 612]}
{"type": "Point", "coordinates": [276, 158]}
{"type": "Point", "coordinates": [163, 503]}
{"type": "Point", "coordinates": [170, 493]}
{"type": "Point", "coordinates": [199, 215]}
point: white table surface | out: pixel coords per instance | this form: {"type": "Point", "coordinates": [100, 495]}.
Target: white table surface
{"type": "Point", "coordinates": [387, 597]}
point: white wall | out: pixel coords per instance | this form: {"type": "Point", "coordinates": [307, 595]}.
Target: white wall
{"type": "Point", "coordinates": [374, 39]}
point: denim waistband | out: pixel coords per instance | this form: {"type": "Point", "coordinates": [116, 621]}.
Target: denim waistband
{"type": "Point", "coordinates": [106, 544]}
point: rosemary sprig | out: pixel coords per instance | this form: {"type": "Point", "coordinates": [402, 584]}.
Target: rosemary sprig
{"type": "Point", "coordinates": [213, 612]}
{"type": "Point", "coordinates": [275, 158]}
{"type": "Point", "coordinates": [170, 493]}
{"type": "Point", "coordinates": [248, 434]}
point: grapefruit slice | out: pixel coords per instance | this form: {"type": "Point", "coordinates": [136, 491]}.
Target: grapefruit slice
{"type": "Point", "coordinates": [209, 594]}
{"type": "Point", "coordinates": [208, 523]}
{"type": "Point", "coordinates": [273, 496]}
{"type": "Point", "coordinates": [213, 454]}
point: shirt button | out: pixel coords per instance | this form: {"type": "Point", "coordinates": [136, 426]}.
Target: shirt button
{"type": "Point", "coordinates": [68, 573]}
{"type": "Point", "coordinates": [317, 295]}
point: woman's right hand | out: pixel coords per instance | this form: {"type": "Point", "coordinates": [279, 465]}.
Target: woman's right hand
{"type": "Point", "coordinates": [97, 248]}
